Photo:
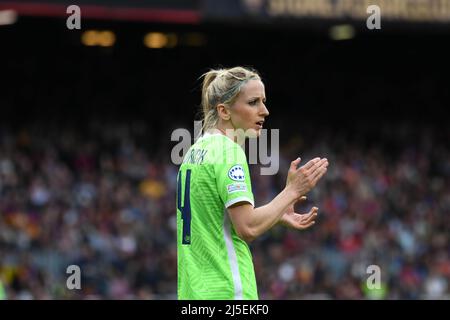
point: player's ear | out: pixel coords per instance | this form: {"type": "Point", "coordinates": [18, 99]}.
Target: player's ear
{"type": "Point", "coordinates": [223, 111]}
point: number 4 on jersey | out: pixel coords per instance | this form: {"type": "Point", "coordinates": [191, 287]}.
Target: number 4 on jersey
{"type": "Point", "coordinates": [186, 208]}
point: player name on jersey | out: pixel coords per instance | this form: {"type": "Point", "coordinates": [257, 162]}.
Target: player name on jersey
{"type": "Point", "coordinates": [195, 156]}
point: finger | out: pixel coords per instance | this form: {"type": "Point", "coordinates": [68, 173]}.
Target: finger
{"type": "Point", "coordinates": [311, 215]}
{"type": "Point", "coordinates": [295, 163]}
{"type": "Point", "coordinates": [318, 174]}
{"type": "Point", "coordinates": [317, 171]}
{"type": "Point", "coordinates": [314, 210]}
{"type": "Point", "coordinates": [306, 226]}
{"type": "Point", "coordinates": [311, 163]}
{"type": "Point", "coordinates": [302, 198]}
{"type": "Point", "coordinates": [322, 163]}
{"type": "Point", "coordinates": [307, 217]}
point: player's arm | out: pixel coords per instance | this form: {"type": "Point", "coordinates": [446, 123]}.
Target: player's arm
{"type": "Point", "coordinates": [250, 222]}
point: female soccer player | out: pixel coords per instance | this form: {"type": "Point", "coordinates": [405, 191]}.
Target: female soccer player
{"type": "Point", "coordinates": [216, 217]}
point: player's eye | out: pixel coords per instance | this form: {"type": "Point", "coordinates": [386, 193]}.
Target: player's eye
{"type": "Point", "coordinates": [253, 102]}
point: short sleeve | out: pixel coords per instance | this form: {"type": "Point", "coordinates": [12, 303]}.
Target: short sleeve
{"type": "Point", "coordinates": [233, 177]}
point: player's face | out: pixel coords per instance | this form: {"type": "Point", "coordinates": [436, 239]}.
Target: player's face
{"type": "Point", "coordinates": [249, 110]}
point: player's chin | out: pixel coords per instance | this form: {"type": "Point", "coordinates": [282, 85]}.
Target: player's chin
{"type": "Point", "coordinates": [253, 132]}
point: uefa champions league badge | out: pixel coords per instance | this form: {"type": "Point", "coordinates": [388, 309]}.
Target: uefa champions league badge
{"type": "Point", "coordinates": [236, 173]}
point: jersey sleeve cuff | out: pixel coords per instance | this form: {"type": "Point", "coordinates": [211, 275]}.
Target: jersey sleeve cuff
{"type": "Point", "coordinates": [239, 199]}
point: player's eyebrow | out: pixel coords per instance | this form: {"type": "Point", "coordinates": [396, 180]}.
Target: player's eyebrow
{"type": "Point", "coordinates": [256, 97]}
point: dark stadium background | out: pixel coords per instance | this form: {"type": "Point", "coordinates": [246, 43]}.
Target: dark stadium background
{"type": "Point", "coordinates": [86, 176]}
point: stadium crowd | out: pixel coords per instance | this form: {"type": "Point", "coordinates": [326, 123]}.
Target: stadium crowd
{"type": "Point", "coordinates": [99, 199]}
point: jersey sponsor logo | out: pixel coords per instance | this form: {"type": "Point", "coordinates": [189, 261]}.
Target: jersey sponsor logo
{"type": "Point", "coordinates": [236, 187]}
{"type": "Point", "coordinates": [236, 173]}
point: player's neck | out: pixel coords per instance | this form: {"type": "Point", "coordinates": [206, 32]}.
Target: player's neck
{"type": "Point", "coordinates": [230, 133]}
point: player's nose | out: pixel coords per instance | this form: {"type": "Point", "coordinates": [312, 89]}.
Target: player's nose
{"type": "Point", "coordinates": [264, 112]}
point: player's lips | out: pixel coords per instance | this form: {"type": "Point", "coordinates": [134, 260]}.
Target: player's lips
{"type": "Point", "coordinates": [260, 124]}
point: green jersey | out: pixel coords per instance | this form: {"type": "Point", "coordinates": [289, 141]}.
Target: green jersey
{"type": "Point", "coordinates": [213, 262]}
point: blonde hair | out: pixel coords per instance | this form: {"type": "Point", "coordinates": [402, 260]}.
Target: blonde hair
{"type": "Point", "coordinates": [222, 86]}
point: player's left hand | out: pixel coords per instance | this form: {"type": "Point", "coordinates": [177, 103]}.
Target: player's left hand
{"type": "Point", "coordinates": [299, 221]}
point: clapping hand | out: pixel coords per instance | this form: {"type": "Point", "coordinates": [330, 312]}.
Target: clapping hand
{"type": "Point", "coordinates": [299, 221]}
